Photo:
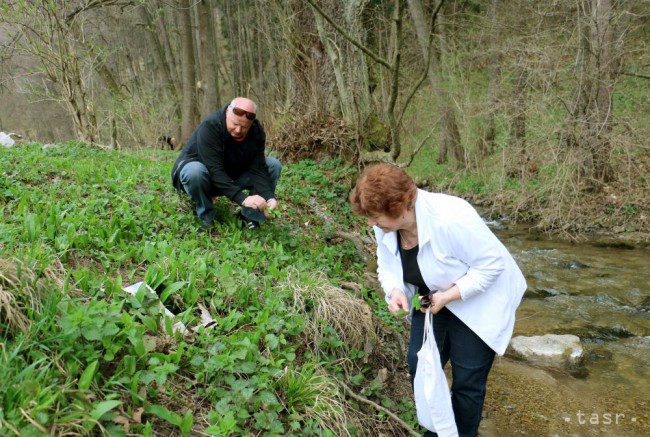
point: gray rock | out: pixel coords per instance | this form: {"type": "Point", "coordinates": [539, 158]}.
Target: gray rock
{"type": "Point", "coordinates": [548, 350]}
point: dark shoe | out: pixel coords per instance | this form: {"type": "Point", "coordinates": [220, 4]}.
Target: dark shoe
{"type": "Point", "coordinates": [207, 225]}
{"type": "Point", "coordinates": [253, 215]}
{"type": "Point", "coordinates": [250, 224]}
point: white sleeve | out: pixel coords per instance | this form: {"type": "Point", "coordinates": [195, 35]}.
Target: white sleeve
{"type": "Point", "coordinates": [471, 241]}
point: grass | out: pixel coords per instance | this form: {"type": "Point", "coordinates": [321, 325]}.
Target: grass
{"type": "Point", "coordinates": [80, 356]}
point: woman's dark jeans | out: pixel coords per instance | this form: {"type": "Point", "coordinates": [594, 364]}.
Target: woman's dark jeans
{"type": "Point", "coordinates": [471, 361]}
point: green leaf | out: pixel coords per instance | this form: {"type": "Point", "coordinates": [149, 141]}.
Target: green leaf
{"type": "Point", "coordinates": [151, 324]}
{"type": "Point", "coordinates": [272, 341]}
{"type": "Point", "coordinates": [88, 375]}
{"type": "Point", "coordinates": [171, 288]}
{"type": "Point", "coordinates": [117, 285]}
{"type": "Point", "coordinates": [163, 413]}
{"type": "Point", "coordinates": [103, 407]}
{"type": "Point", "coordinates": [267, 397]}
{"type": "Point", "coordinates": [129, 364]}
{"type": "Point", "coordinates": [186, 423]}
{"type": "Point", "coordinates": [169, 325]}
{"type": "Point", "coordinates": [149, 342]}
{"type": "Point", "coordinates": [91, 333]}
{"type": "Point", "coordinates": [139, 346]}
{"type": "Point", "coordinates": [135, 383]}
{"type": "Point", "coordinates": [142, 292]}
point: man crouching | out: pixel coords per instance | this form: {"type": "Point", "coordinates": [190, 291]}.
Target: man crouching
{"type": "Point", "coordinates": [225, 156]}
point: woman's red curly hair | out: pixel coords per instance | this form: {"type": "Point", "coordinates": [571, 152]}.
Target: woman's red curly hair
{"type": "Point", "coordinates": [383, 189]}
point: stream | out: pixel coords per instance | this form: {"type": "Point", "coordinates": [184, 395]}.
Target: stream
{"type": "Point", "coordinates": [602, 295]}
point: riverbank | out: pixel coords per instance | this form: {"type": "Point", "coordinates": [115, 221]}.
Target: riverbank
{"type": "Point", "coordinates": [596, 289]}
{"type": "Point", "coordinates": [617, 216]}
{"type": "Point", "coordinates": [526, 400]}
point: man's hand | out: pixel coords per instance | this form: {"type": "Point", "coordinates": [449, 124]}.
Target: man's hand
{"type": "Point", "coordinates": [398, 301]}
{"type": "Point", "coordinates": [271, 204]}
{"type": "Point", "coordinates": [255, 201]}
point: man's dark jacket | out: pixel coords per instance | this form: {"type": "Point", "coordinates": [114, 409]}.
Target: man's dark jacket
{"type": "Point", "coordinates": [225, 158]}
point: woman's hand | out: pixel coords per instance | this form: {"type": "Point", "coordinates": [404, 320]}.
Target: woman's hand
{"type": "Point", "coordinates": [398, 301]}
{"type": "Point", "coordinates": [440, 299]}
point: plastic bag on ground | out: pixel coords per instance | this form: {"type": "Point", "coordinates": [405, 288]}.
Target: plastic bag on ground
{"type": "Point", "coordinates": [6, 140]}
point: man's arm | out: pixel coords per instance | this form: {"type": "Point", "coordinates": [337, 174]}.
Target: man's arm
{"type": "Point", "coordinates": [259, 171]}
{"type": "Point", "coordinates": [210, 146]}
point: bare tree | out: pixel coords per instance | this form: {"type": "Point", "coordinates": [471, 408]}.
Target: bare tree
{"type": "Point", "coordinates": [487, 134]}
{"type": "Point", "coordinates": [154, 21]}
{"type": "Point", "coordinates": [591, 112]}
{"type": "Point", "coordinates": [518, 165]}
{"type": "Point", "coordinates": [392, 64]}
{"type": "Point", "coordinates": [189, 113]}
{"type": "Point", "coordinates": [348, 62]}
{"type": "Point", "coordinates": [450, 133]}
{"type": "Point", "coordinates": [52, 32]}
{"type": "Point", "coordinates": [208, 83]}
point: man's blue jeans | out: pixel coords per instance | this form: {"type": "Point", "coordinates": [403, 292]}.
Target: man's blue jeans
{"type": "Point", "coordinates": [471, 361]}
{"type": "Point", "coordinates": [195, 179]}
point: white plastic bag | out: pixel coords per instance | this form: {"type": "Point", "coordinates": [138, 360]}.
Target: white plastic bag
{"type": "Point", "coordinates": [6, 140]}
{"type": "Point", "coordinates": [432, 399]}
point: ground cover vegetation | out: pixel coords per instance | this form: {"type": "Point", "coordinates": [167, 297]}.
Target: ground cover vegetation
{"type": "Point", "coordinates": [536, 110]}
{"type": "Point", "coordinates": [294, 348]}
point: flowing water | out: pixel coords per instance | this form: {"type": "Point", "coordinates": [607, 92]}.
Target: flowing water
{"type": "Point", "coordinates": [602, 295]}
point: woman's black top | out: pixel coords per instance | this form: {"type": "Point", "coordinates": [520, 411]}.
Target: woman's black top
{"type": "Point", "coordinates": [410, 267]}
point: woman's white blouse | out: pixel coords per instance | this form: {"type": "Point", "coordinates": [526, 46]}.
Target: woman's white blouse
{"type": "Point", "coordinates": [457, 247]}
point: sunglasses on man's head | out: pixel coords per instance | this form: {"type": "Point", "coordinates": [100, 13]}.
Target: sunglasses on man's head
{"type": "Point", "coordinates": [241, 113]}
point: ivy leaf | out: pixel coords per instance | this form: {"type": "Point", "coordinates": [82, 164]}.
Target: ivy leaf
{"type": "Point", "coordinates": [92, 333]}
{"type": "Point", "coordinates": [272, 341]}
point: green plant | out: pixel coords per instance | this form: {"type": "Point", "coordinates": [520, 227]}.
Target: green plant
{"type": "Point", "coordinates": [184, 422]}
{"type": "Point", "coordinates": [314, 402]}
{"type": "Point", "coordinates": [91, 222]}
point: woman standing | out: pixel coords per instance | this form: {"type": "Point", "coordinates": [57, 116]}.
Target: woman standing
{"type": "Point", "coordinates": [437, 246]}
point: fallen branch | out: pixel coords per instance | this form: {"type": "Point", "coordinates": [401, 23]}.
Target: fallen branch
{"type": "Point", "coordinates": [359, 241]}
{"type": "Point", "coordinates": [392, 415]}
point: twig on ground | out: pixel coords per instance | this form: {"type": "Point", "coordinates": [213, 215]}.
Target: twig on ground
{"type": "Point", "coordinates": [392, 415]}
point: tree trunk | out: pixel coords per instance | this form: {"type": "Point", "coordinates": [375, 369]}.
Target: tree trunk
{"type": "Point", "coordinates": [189, 116]}
{"type": "Point", "coordinates": [450, 133]}
{"type": "Point", "coordinates": [487, 133]}
{"type": "Point", "coordinates": [396, 43]}
{"type": "Point", "coordinates": [165, 28]}
{"type": "Point", "coordinates": [602, 49]}
{"type": "Point", "coordinates": [209, 85]}
{"type": "Point", "coordinates": [333, 53]}
{"type": "Point", "coordinates": [518, 166]}
{"type": "Point", "coordinates": [163, 56]}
